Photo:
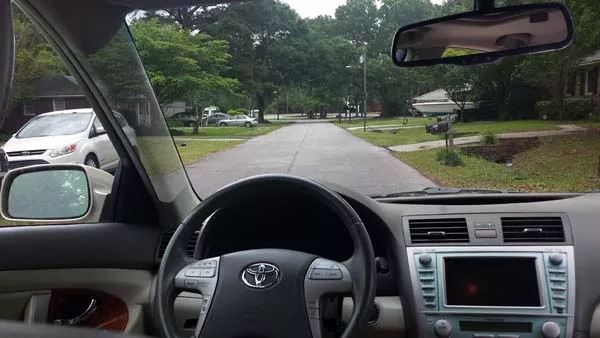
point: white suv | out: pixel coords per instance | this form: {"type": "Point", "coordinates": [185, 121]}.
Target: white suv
{"type": "Point", "coordinates": [65, 136]}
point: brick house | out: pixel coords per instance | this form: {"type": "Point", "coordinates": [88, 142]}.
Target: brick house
{"type": "Point", "coordinates": [48, 94]}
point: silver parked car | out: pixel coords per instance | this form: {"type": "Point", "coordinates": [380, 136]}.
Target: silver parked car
{"type": "Point", "coordinates": [239, 120]}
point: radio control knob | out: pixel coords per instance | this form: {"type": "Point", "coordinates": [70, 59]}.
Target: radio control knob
{"type": "Point", "coordinates": [425, 259]}
{"type": "Point", "coordinates": [442, 328]}
{"type": "Point", "coordinates": [550, 330]}
{"type": "Point", "coordinates": [555, 259]}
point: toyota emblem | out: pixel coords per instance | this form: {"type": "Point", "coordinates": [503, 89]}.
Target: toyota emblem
{"type": "Point", "coordinates": [261, 275]}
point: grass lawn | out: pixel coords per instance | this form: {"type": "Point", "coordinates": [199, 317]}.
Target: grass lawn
{"type": "Point", "coordinates": [227, 132]}
{"type": "Point", "coordinates": [559, 164]}
{"type": "Point", "coordinates": [193, 151]}
{"type": "Point", "coordinates": [389, 138]}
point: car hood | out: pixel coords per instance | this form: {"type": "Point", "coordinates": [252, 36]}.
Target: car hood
{"type": "Point", "coordinates": [40, 143]}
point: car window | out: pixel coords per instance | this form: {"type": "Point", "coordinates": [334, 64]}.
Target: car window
{"type": "Point", "coordinates": [40, 135]}
{"type": "Point", "coordinates": [55, 125]}
{"type": "Point", "coordinates": [97, 124]}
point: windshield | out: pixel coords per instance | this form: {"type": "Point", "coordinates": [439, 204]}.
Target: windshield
{"type": "Point", "coordinates": [326, 102]}
{"type": "Point", "coordinates": [55, 125]}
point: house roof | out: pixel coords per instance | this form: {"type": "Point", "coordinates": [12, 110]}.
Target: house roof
{"type": "Point", "coordinates": [436, 95]}
{"type": "Point", "coordinates": [57, 86]}
{"type": "Point", "coordinates": [590, 59]}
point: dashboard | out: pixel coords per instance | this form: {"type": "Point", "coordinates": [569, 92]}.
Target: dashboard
{"type": "Point", "coordinates": [510, 267]}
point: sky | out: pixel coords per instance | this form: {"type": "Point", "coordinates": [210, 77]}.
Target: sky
{"type": "Point", "coordinates": [314, 8]}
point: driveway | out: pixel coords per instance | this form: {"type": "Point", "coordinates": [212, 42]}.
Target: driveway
{"type": "Point", "coordinates": [320, 151]}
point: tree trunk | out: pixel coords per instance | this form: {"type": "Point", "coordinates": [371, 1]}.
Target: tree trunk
{"type": "Point", "coordinates": [260, 101]}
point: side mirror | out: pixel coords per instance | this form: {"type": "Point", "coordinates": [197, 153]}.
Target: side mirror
{"type": "Point", "coordinates": [57, 193]}
{"type": "Point", "coordinates": [484, 36]}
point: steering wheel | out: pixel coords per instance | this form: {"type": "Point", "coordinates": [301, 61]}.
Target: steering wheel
{"type": "Point", "coordinates": [265, 292]}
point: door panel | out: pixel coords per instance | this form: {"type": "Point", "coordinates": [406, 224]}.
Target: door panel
{"type": "Point", "coordinates": [98, 245]}
{"type": "Point", "coordinates": [119, 295]}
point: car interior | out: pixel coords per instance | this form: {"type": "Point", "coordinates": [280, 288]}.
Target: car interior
{"type": "Point", "coordinates": [279, 255]}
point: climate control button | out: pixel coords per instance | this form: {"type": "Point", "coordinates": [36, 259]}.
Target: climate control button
{"type": "Point", "coordinates": [555, 259]}
{"type": "Point", "coordinates": [550, 330]}
{"type": "Point", "coordinates": [425, 259]}
{"type": "Point", "coordinates": [442, 328]}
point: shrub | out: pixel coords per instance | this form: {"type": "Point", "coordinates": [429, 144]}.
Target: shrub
{"type": "Point", "coordinates": [232, 112]}
{"type": "Point", "coordinates": [578, 108]}
{"type": "Point", "coordinates": [176, 132]}
{"type": "Point", "coordinates": [575, 108]}
{"type": "Point", "coordinates": [242, 111]}
{"type": "Point", "coordinates": [174, 123]}
{"type": "Point", "coordinates": [488, 139]}
{"type": "Point", "coordinates": [449, 157]}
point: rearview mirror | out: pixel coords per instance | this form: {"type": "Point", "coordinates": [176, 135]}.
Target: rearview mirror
{"type": "Point", "coordinates": [484, 36]}
{"type": "Point", "coordinates": [54, 193]}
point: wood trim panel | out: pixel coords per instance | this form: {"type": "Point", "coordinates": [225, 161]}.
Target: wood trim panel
{"type": "Point", "coordinates": [112, 313]}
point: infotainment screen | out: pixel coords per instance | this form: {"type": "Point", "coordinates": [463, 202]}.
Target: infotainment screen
{"type": "Point", "coordinates": [491, 281]}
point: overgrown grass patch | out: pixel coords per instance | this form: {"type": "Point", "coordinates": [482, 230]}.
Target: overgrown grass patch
{"type": "Point", "coordinates": [560, 164]}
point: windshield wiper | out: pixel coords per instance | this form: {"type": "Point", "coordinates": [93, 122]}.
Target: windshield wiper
{"type": "Point", "coordinates": [440, 191]}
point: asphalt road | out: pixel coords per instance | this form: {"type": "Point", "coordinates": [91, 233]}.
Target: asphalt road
{"type": "Point", "coordinates": [319, 151]}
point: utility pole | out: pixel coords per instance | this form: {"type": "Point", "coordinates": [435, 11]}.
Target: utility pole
{"type": "Point", "coordinates": [364, 61]}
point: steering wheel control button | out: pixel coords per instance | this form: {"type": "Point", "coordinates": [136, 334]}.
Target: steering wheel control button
{"type": "Point", "coordinates": [205, 304]}
{"type": "Point", "coordinates": [326, 265]}
{"type": "Point", "coordinates": [211, 263]}
{"type": "Point", "coordinates": [442, 328]}
{"type": "Point", "coordinates": [207, 273]}
{"type": "Point", "coordinates": [192, 273]}
{"type": "Point", "coordinates": [314, 313]}
{"type": "Point", "coordinates": [190, 284]}
{"type": "Point", "coordinates": [325, 274]}
{"type": "Point", "coordinates": [425, 259]}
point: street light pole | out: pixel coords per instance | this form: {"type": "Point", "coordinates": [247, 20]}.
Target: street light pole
{"type": "Point", "coordinates": [365, 88]}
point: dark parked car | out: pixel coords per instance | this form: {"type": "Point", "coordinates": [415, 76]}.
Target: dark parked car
{"type": "Point", "coordinates": [187, 119]}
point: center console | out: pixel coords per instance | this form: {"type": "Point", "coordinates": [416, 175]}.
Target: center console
{"type": "Point", "coordinates": [494, 291]}
{"type": "Point", "coordinates": [499, 275]}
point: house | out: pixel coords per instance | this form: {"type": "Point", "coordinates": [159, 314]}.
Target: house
{"type": "Point", "coordinates": [584, 83]}
{"type": "Point", "coordinates": [63, 92]}
{"type": "Point", "coordinates": [48, 94]}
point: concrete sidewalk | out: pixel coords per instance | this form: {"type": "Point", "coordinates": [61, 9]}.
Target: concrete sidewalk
{"type": "Point", "coordinates": [564, 129]}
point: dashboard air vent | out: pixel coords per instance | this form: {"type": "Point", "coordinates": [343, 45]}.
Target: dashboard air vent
{"type": "Point", "coordinates": [442, 230]}
{"type": "Point", "coordinates": [533, 229]}
{"type": "Point", "coordinates": [164, 241]}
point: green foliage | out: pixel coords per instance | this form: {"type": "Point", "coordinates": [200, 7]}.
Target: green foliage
{"type": "Point", "coordinates": [449, 157]}
{"type": "Point", "coordinates": [176, 132]}
{"type": "Point", "coordinates": [34, 58]}
{"type": "Point", "coordinates": [574, 108]}
{"type": "Point", "coordinates": [233, 112]}
{"type": "Point", "coordinates": [488, 138]}
{"type": "Point", "coordinates": [182, 65]}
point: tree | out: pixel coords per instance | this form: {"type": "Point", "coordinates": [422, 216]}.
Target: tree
{"type": "Point", "coordinates": [34, 59]}
{"type": "Point", "coordinates": [458, 83]}
{"type": "Point", "coordinates": [182, 65]}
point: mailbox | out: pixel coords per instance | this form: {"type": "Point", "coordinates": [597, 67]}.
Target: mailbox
{"type": "Point", "coordinates": [437, 128]}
